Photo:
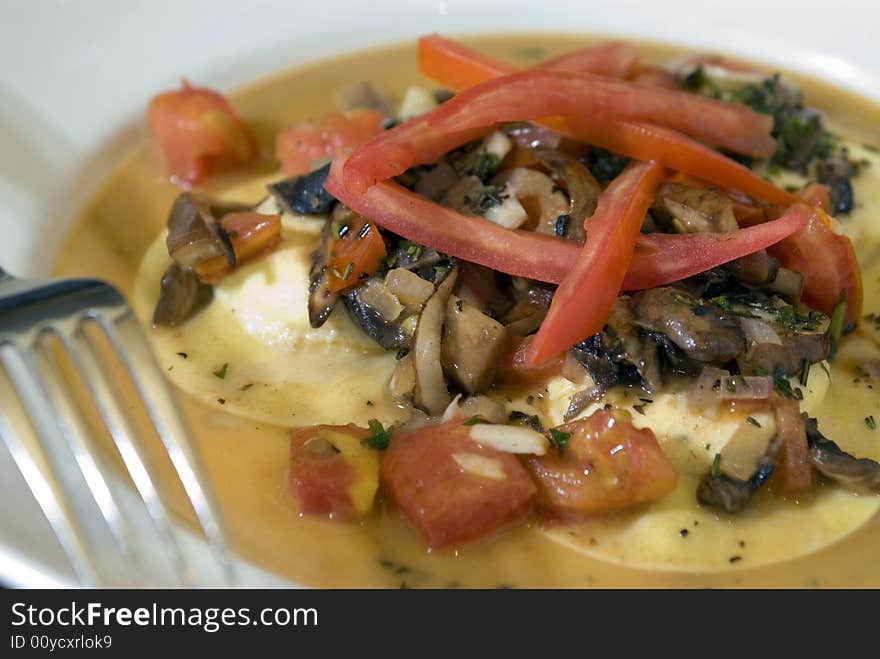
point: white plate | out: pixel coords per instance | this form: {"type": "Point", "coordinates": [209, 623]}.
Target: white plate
{"type": "Point", "coordinates": [76, 75]}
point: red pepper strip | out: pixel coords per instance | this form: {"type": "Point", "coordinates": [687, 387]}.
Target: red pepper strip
{"type": "Point", "coordinates": [614, 59]}
{"type": "Point", "coordinates": [451, 64]}
{"type": "Point", "coordinates": [825, 258]}
{"type": "Point", "coordinates": [661, 258]}
{"type": "Point", "coordinates": [460, 67]}
{"type": "Point", "coordinates": [658, 259]}
{"type": "Point", "coordinates": [584, 298]}
{"type": "Point", "coordinates": [539, 93]}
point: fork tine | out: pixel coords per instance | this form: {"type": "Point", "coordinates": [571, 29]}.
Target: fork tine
{"type": "Point", "coordinates": [105, 490]}
{"type": "Point", "coordinates": [131, 346]}
{"type": "Point", "coordinates": [124, 436]}
{"type": "Point", "coordinates": [65, 473]}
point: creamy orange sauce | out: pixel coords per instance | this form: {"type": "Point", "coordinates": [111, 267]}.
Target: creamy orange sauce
{"type": "Point", "coordinates": [247, 460]}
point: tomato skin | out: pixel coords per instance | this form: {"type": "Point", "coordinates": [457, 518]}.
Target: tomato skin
{"type": "Point", "coordinates": [606, 465]}
{"type": "Point", "coordinates": [513, 369]}
{"type": "Point", "coordinates": [298, 146]}
{"type": "Point", "coordinates": [198, 134]}
{"type": "Point", "coordinates": [447, 504]}
{"type": "Point", "coordinates": [328, 482]}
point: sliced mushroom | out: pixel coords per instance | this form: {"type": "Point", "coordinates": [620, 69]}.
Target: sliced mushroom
{"type": "Point", "coordinates": [390, 334]}
{"type": "Point", "coordinates": [321, 299]}
{"type": "Point", "coordinates": [732, 494]}
{"type": "Point", "coordinates": [194, 233]}
{"type": "Point", "coordinates": [181, 296]}
{"type": "Point", "coordinates": [693, 210]}
{"type": "Point", "coordinates": [471, 347]}
{"type": "Point", "coordinates": [857, 474]}
{"type": "Point", "coordinates": [304, 194]}
{"type": "Point", "coordinates": [582, 188]}
{"type": "Point", "coordinates": [704, 331]}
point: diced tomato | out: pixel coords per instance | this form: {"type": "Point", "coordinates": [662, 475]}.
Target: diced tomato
{"type": "Point", "coordinates": [513, 369]}
{"type": "Point", "coordinates": [198, 133]}
{"type": "Point", "coordinates": [427, 472]}
{"type": "Point", "coordinates": [607, 464]}
{"type": "Point", "coordinates": [357, 254]}
{"type": "Point", "coordinates": [826, 258]}
{"type": "Point", "coordinates": [815, 194]}
{"type": "Point", "coordinates": [250, 234]}
{"type": "Point", "coordinates": [793, 473]}
{"type": "Point", "coordinates": [331, 472]}
{"type": "Point", "coordinates": [296, 148]}
{"type": "Point", "coordinates": [585, 296]}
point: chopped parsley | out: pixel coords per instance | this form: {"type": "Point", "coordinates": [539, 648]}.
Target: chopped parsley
{"type": "Point", "coordinates": [474, 420]}
{"type": "Point", "coordinates": [560, 438]}
{"type": "Point", "coordinates": [221, 372]}
{"type": "Point", "coordinates": [753, 421]}
{"type": "Point", "coordinates": [780, 381]}
{"type": "Point", "coordinates": [379, 437]}
{"type": "Point", "coordinates": [483, 165]}
{"type": "Point", "coordinates": [871, 422]}
{"type": "Point", "coordinates": [838, 316]}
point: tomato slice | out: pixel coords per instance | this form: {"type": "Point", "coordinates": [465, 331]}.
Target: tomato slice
{"type": "Point", "coordinates": [607, 464]}
{"type": "Point", "coordinates": [540, 93]}
{"type": "Point", "coordinates": [452, 64]}
{"type": "Point", "coordinates": [585, 296]}
{"type": "Point", "coordinates": [198, 134]}
{"type": "Point", "coordinates": [662, 258]}
{"type": "Point", "coordinates": [451, 488]}
{"type": "Point", "coordinates": [298, 147]}
{"type": "Point", "coordinates": [513, 368]}
{"type": "Point", "coordinates": [659, 258]}
{"type": "Point", "coordinates": [331, 472]}
{"type": "Point", "coordinates": [460, 67]}
{"type": "Point", "coordinates": [615, 59]}
{"type": "Point", "coordinates": [356, 253]}
{"type": "Point", "coordinates": [827, 260]}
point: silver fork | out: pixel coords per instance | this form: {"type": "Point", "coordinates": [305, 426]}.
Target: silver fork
{"type": "Point", "coordinates": [113, 534]}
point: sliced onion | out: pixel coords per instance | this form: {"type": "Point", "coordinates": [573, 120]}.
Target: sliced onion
{"type": "Point", "coordinates": [715, 385]}
{"type": "Point", "coordinates": [376, 295]}
{"type": "Point", "coordinates": [430, 390]}
{"type": "Point", "coordinates": [474, 406]}
{"type": "Point", "coordinates": [758, 332]}
{"type": "Point", "coordinates": [409, 288]}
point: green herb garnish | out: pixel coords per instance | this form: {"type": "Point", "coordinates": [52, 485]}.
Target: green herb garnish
{"type": "Point", "coordinates": [838, 316]}
{"type": "Point", "coordinates": [716, 466]}
{"type": "Point", "coordinates": [379, 437]}
{"type": "Point", "coordinates": [474, 420]}
{"type": "Point", "coordinates": [221, 372]}
{"type": "Point", "coordinates": [560, 438]}
{"type": "Point", "coordinates": [870, 422]}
